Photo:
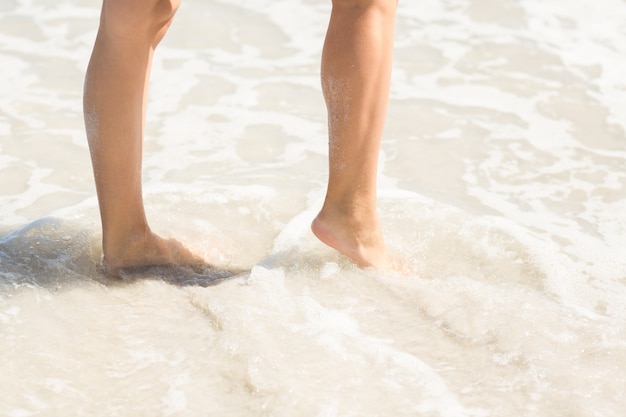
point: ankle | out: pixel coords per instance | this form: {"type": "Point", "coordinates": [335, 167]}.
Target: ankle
{"type": "Point", "coordinates": [115, 244]}
{"type": "Point", "coordinates": [355, 214]}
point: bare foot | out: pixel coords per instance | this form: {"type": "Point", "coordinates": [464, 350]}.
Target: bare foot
{"type": "Point", "coordinates": [148, 250]}
{"type": "Point", "coordinates": [362, 243]}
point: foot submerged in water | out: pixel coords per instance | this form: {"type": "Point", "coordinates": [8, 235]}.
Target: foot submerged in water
{"type": "Point", "coordinates": [362, 243]}
{"type": "Point", "coordinates": [146, 251]}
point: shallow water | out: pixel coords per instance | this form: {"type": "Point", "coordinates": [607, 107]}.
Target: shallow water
{"type": "Point", "coordinates": [502, 188]}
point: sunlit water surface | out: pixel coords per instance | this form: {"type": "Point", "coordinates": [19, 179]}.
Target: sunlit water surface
{"type": "Point", "coordinates": [502, 189]}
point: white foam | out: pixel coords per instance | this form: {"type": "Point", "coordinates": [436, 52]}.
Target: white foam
{"type": "Point", "coordinates": [502, 190]}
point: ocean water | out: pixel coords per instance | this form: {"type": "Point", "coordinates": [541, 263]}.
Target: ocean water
{"type": "Point", "coordinates": [502, 189]}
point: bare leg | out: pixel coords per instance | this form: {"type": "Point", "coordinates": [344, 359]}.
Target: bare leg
{"type": "Point", "coordinates": [356, 69]}
{"type": "Point", "coordinates": [114, 109]}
